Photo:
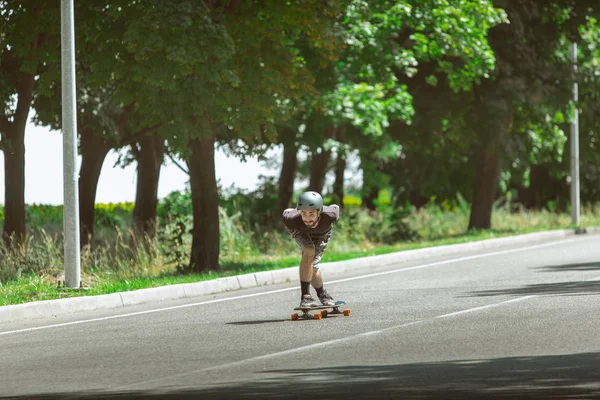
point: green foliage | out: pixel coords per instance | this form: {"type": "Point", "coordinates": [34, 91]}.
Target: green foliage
{"type": "Point", "coordinates": [38, 215]}
{"type": "Point", "coordinates": [28, 34]}
{"type": "Point", "coordinates": [258, 208]}
{"type": "Point", "coordinates": [369, 106]}
{"type": "Point", "coordinates": [106, 214]}
{"type": "Point", "coordinates": [417, 87]}
{"type": "Point", "coordinates": [589, 105]}
{"type": "Point", "coordinates": [113, 214]}
{"type": "Point", "coordinates": [537, 138]}
{"type": "Point", "coordinates": [117, 265]}
{"type": "Point", "coordinates": [238, 229]}
{"type": "Point", "coordinates": [37, 255]}
{"type": "Point", "coordinates": [387, 226]}
{"type": "Point", "coordinates": [175, 222]}
{"type": "Point", "coordinates": [387, 39]}
{"type": "Point", "coordinates": [266, 79]}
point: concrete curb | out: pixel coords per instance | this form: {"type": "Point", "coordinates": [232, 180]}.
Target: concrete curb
{"type": "Point", "coordinates": [53, 308]}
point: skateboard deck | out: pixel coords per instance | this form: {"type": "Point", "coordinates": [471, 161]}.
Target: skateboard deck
{"type": "Point", "coordinates": [335, 309]}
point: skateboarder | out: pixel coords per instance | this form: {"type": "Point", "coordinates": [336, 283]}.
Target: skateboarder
{"type": "Point", "coordinates": [310, 225]}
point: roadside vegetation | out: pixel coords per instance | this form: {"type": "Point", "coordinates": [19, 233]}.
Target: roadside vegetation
{"type": "Point", "coordinates": [118, 262]}
{"type": "Point", "coordinates": [430, 121]}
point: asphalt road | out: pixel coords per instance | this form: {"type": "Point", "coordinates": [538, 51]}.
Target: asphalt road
{"type": "Point", "coordinates": [518, 322]}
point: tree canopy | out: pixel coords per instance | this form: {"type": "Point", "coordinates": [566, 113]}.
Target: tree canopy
{"type": "Point", "coordinates": [440, 98]}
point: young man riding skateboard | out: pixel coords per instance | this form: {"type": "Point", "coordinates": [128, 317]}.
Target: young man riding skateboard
{"type": "Point", "coordinates": [310, 225]}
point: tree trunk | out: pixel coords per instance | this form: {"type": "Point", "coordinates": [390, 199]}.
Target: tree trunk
{"type": "Point", "coordinates": [14, 165]}
{"type": "Point", "coordinates": [415, 197]}
{"type": "Point", "coordinates": [205, 205]}
{"type": "Point", "coordinates": [369, 200]}
{"type": "Point", "coordinates": [93, 152]}
{"type": "Point", "coordinates": [338, 185]}
{"type": "Point", "coordinates": [13, 133]}
{"type": "Point", "coordinates": [149, 159]}
{"type": "Point", "coordinates": [486, 178]}
{"type": "Point", "coordinates": [14, 189]}
{"type": "Point", "coordinates": [319, 163]}
{"type": "Point", "coordinates": [371, 179]}
{"type": "Point", "coordinates": [318, 170]}
{"type": "Point", "coordinates": [287, 176]}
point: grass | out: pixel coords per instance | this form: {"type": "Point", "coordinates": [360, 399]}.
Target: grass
{"type": "Point", "coordinates": [117, 264]}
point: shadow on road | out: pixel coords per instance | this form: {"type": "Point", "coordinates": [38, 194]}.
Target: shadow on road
{"type": "Point", "coordinates": [268, 321]}
{"type": "Point", "coordinates": [574, 288]}
{"type": "Point", "coordinates": [591, 266]}
{"type": "Point", "coordinates": [577, 288]}
{"type": "Point", "coordinates": [265, 321]}
{"type": "Point", "coordinates": [574, 376]}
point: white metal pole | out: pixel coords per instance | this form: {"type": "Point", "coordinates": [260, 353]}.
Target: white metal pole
{"type": "Point", "coordinates": [69, 128]}
{"type": "Point", "coordinates": [575, 197]}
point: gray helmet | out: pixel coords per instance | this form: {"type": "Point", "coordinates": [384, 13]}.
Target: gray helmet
{"type": "Point", "coordinates": [310, 201]}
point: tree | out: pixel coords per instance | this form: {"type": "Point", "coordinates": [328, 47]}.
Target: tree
{"type": "Point", "coordinates": [129, 57]}
{"type": "Point", "coordinates": [527, 73]}
{"type": "Point", "coordinates": [287, 134]}
{"type": "Point", "coordinates": [387, 43]}
{"type": "Point", "coordinates": [340, 167]}
{"type": "Point", "coordinates": [267, 79]}
{"type": "Point", "coordinates": [28, 32]}
{"type": "Point", "coordinates": [445, 131]}
{"type": "Point", "coordinates": [589, 104]}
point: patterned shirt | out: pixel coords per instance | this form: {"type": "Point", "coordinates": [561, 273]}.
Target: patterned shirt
{"type": "Point", "coordinates": [329, 215]}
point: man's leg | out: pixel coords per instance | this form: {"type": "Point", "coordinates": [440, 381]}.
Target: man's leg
{"type": "Point", "coordinates": [306, 264]}
{"type": "Point", "coordinates": [317, 279]}
{"type": "Point", "coordinates": [306, 274]}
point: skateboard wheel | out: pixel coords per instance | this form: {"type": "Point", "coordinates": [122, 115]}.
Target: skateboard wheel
{"type": "Point", "coordinates": [324, 313]}
{"type": "Point", "coordinates": [318, 316]}
{"type": "Point", "coordinates": [346, 313]}
{"type": "Point", "coordinates": [294, 317]}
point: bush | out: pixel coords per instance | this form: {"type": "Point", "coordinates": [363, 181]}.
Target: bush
{"type": "Point", "coordinates": [175, 224]}
{"type": "Point", "coordinates": [258, 209]}
{"type": "Point", "coordinates": [106, 214]}
{"type": "Point", "coordinates": [113, 214]}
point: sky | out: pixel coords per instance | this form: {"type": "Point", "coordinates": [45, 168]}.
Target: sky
{"type": "Point", "coordinates": [44, 173]}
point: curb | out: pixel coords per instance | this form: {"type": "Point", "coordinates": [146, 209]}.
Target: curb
{"type": "Point", "coordinates": [53, 308]}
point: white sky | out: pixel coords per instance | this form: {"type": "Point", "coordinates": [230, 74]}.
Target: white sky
{"type": "Point", "coordinates": [44, 174]}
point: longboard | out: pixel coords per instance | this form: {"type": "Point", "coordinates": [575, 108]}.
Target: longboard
{"type": "Point", "coordinates": [322, 311]}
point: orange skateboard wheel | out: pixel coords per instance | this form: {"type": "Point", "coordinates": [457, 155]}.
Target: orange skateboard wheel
{"type": "Point", "coordinates": [294, 317]}
{"type": "Point", "coordinates": [318, 316]}
{"type": "Point", "coordinates": [347, 313]}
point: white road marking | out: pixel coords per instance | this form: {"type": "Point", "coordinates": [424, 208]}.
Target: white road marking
{"type": "Point", "coordinates": [245, 296]}
{"type": "Point", "coordinates": [329, 343]}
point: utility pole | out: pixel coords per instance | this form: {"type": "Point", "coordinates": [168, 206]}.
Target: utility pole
{"type": "Point", "coordinates": [575, 212]}
{"type": "Point", "coordinates": [69, 128]}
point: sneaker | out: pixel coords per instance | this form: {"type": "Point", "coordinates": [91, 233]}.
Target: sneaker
{"type": "Point", "coordinates": [326, 299]}
{"type": "Point", "coordinates": [308, 301]}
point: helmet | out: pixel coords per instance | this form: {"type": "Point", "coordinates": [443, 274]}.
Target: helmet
{"type": "Point", "coordinates": [310, 201]}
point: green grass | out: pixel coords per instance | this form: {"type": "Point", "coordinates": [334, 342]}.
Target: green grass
{"type": "Point", "coordinates": [35, 288]}
{"type": "Point", "coordinates": [117, 265]}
